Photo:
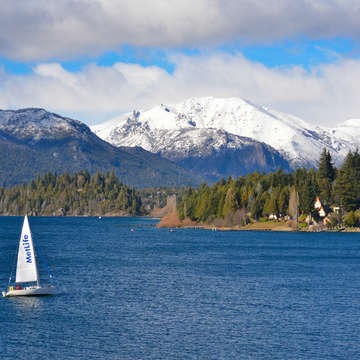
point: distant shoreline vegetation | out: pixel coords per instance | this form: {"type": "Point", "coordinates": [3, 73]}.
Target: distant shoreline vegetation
{"type": "Point", "coordinates": [327, 198]}
{"type": "Point", "coordinates": [71, 195]}
{"type": "Point", "coordinates": [324, 198]}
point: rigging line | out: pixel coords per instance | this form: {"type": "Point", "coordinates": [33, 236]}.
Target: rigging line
{"type": "Point", "coordinates": [12, 269]}
{"type": "Point", "coordinates": [47, 268]}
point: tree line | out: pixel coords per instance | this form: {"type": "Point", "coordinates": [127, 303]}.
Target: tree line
{"type": "Point", "coordinates": [65, 194]}
{"type": "Point", "coordinates": [235, 201]}
{"type": "Point", "coordinates": [258, 195]}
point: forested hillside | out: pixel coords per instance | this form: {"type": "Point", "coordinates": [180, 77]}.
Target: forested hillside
{"type": "Point", "coordinates": [258, 196]}
{"type": "Point", "coordinates": [80, 194]}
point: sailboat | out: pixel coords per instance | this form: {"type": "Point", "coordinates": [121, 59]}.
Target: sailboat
{"type": "Point", "coordinates": [26, 269]}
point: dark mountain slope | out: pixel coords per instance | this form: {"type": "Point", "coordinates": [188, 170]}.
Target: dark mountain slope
{"type": "Point", "coordinates": [35, 141]}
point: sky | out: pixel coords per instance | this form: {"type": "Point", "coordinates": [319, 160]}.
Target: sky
{"type": "Point", "coordinates": [95, 59]}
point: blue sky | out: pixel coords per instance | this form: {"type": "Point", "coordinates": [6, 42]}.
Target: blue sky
{"type": "Point", "coordinates": [302, 52]}
{"type": "Point", "coordinates": [96, 59]}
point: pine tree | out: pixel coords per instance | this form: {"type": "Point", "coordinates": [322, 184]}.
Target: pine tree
{"type": "Point", "coordinates": [347, 185]}
{"type": "Point", "coordinates": [230, 204]}
{"type": "Point", "coordinates": [284, 200]}
{"type": "Point", "coordinates": [325, 176]}
{"type": "Point", "coordinates": [307, 192]}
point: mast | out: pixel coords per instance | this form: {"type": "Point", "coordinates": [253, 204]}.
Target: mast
{"type": "Point", "coordinates": [36, 268]}
{"type": "Point", "coordinates": [35, 263]}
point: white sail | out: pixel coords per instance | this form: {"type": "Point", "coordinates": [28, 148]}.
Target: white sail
{"type": "Point", "coordinates": [26, 270]}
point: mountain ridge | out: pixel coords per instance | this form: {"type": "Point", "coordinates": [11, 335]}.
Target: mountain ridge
{"type": "Point", "coordinates": [34, 141]}
{"type": "Point", "coordinates": [298, 142]}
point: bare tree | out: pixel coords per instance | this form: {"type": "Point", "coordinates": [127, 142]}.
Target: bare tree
{"type": "Point", "coordinates": [294, 205]}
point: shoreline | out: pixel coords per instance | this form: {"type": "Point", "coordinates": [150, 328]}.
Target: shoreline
{"type": "Point", "coordinates": [249, 227]}
{"type": "Point", "coordinates": [172, 220]}
{"type": "Point", "coordinates": [188, 224]}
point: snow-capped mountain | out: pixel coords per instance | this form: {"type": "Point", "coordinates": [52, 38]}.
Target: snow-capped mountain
{"type": "Point", "coordinates": [180, 129]}
{"type": "Point", "coordinates": [347, 132]}
{"type": "Point", "coordinates": [35, 141]}
{"type": "Point", "coordinates": [37, 124]}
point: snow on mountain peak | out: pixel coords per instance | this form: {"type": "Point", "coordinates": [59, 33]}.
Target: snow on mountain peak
{"type": "Point", "coordinates": [37, 124]}
{"type": "Point", "coordinates": [346, 135]}
{"type": "Point", "coordinates": [298, 141]}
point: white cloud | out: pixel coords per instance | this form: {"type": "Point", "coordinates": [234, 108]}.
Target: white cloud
{"type": "Point", "coordinates": [49, 29]}
{"type": "Point", "coordinates": [327, 94]}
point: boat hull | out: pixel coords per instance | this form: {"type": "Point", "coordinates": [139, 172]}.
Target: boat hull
{"type": "Point", "coordinates": [30, 291]}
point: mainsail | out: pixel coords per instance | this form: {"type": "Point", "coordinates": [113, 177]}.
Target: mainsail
{"type": "Point", "coordinates": [26, 270]}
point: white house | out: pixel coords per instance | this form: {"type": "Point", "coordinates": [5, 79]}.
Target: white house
{"type": "Point", "coordinates": [319, 206]}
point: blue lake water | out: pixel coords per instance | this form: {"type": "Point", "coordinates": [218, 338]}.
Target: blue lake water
{"type": "Point", "coordinates": [188, 294]}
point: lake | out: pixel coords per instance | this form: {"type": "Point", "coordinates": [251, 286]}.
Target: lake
{"type": "Point", "coordinates": [187, 294]}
